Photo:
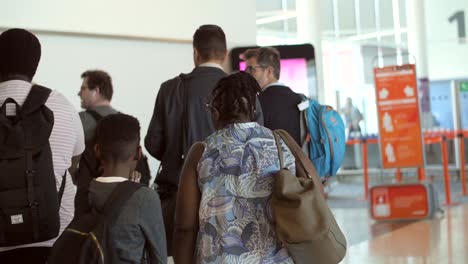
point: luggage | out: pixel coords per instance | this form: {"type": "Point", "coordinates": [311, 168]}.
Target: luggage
{"type": "Point", "coordinates": [403, 201]}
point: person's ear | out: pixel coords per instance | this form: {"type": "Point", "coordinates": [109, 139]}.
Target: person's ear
{"type": "Point", "coordinates": [271, 71]}
{"type": "Point", "coordinates": [196, 56]}
{"type": "Point", "coordinates": [253, 114]}
{"type": "Point", "coordinates": [97, 151]}
{"type": "Point", "coordinates": [215, 116]}
{"type": "Point", "coordinates": [138, 154]}
{"type": "Point", "coordinates": [225, 55]}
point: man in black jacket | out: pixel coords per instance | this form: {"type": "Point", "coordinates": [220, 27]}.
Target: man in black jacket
{"type": "Point", "coordinates": [279, 102]}
{"type": "Point", "coordinates": [180, 118]}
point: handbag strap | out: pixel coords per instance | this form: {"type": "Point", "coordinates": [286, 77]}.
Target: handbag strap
{"type": "Point", "coordinates": [285, 137]}
{"type": "Point", "coordinates": [280, 149]}
{"type": "Point", "coordinates": [302, 161]}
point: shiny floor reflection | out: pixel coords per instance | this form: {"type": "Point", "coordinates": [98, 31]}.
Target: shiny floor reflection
{"type": "Point", "coordinates": [440, 240]}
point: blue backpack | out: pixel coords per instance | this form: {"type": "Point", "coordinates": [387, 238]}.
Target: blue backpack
{"type": "Point", "coordinates": [327, 142]}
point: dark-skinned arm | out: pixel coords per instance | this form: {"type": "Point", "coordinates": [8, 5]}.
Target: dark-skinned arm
{"type": "Point", "coordinates": [188, 203]}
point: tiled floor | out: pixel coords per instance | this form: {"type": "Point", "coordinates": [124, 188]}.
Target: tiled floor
{"type": "Point", "coordinates": [441, 240]}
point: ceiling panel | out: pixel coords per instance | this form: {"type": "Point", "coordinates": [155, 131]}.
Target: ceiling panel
{"type": "Point", "coordinates": [346, 16]}
{"type": "Point", "coordinates": [326, 15]}
{"type": "Point", "coordinates": [402, 13]}
{"type": "Point", "coordinates": [346, 12]}
{"type": "Point", "coordinates": [268, 5]}
{"type": "Point", "coordinates": [279, 25]}
{"type": "Point", "coordinates": [386, 15]}
{"type": "Point", "coordinates": [366, 8]}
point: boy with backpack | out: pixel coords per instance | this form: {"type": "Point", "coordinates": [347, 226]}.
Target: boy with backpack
{"type": "Point", "coordinates": [125, 223]}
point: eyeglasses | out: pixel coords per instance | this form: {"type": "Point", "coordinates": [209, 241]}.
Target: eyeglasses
{"type": "Point", "coordinates": [250, 69]}
{"type": "Point", "coordinates": [210, 108]}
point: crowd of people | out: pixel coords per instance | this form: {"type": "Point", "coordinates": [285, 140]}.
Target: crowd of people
{"type": "Point", "coordinates": [211, 131]}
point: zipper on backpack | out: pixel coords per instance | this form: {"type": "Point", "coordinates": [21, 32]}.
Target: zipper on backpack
{"type": "Point", "coordinates": [329, 138]}
{"type": "Point", "coordinates": [101, 253]}
{"type": "Point", "coordinates": [76, 232]}
{"type": "Point", "coordinates": [93, 237]}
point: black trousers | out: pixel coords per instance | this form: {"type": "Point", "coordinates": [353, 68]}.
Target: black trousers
{"type": "Point", "coordinates": [168, 197]}
{"type": "Point", "coordinates": [29, 255]}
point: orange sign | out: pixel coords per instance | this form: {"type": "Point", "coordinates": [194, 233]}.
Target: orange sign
{"type": "Point", "coordinates": [398, 111]}
{"type": "Point", "coordinates": [399, 202]}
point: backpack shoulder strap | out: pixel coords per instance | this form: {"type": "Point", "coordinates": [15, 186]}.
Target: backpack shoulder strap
{"type": "Point", "coordinates": [119, 196]}
{"type": "Point", "coordinates": [36, 98]}
{"type": "Point", "coordinates": [95, 115]}
{"type": "Point", "coordinates": [180, 85]}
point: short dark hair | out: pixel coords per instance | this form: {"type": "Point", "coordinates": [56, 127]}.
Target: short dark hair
{"type": "Point", "coordinates": [235, 95]}
{"type": "Point", "coordinates": [266, 56]}
{"type": "Point", "coordinates": [118, 136]}
{"type": "Point", "coordinates": [20, 52]}
{"type": "Point", "coordinates": [210, 42]}
{"type": "Point", "coordinates": [98, 78]}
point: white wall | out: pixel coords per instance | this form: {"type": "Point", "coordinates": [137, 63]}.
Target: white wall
{"type": "Point", "coordinates": [137, 66]}
{"type": "Point", "coordinates": [447, 57]}
{"type": "Point", "coordinates": [151, 18]}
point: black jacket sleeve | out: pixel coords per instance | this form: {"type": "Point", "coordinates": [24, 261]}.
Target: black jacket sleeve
{"type": "Point", "coordinates": [154, 140]}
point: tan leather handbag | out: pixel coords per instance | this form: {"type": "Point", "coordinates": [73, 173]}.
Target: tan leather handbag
{"type": "Point", "coordinates": [304, 222]}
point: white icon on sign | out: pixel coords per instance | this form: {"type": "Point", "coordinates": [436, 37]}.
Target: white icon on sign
{"type": "Point", "coordinates": [409, 91]}
{"type": "Point", "coordinates": [387, 122]}
{"type": "Point", "coordinates": [383, 94]}
{"type": "Point", "coordinates": [390, 153]}
{"type": "Point", "coordinates": [381, 200]}
{"type": "Point", "coordinates": [381, 209]}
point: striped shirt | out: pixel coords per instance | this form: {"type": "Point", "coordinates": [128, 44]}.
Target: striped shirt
{"type": "Point", "coordinates": [66, 140]}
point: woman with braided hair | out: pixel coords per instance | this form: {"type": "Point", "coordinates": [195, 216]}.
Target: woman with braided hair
{"type": "Point", "coordinates": [223, 210]}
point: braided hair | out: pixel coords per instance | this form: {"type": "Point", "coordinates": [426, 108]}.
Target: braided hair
{"type": "Point", "coordinates": [234, 97]}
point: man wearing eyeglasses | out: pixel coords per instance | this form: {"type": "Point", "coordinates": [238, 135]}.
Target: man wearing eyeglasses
{"type": "Point", "coordinates": [279, 103]}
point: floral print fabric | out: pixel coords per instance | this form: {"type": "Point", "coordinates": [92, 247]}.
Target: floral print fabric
{"type": "Point", "coordinates": [236, 177]}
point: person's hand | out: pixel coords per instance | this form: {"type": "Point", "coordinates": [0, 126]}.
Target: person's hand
{"type": "Point", "coordinates": [135, 176]}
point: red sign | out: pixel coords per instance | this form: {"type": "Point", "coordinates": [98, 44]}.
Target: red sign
{"type": "Point", "coordinates": [399, 202]}
{"type": "Point", "coordinates": [398, 111]}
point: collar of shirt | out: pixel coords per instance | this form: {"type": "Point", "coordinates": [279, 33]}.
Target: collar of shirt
{"type": "Point", "coordinates": [211, 64]}
{"type": "Point", "coordinates": [17, 84]}
{"type": "Point", "coordinates": [111, 179]}
{"type": "Point", "coordinates": [273, 84]}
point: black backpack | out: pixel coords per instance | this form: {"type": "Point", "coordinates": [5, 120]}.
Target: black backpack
{"type": "Point", "coordinates": [88, 239]}
{"type": "Point", "coordinates": [90, 169]}
{"type": "Point", "coordinates": [29, 202]}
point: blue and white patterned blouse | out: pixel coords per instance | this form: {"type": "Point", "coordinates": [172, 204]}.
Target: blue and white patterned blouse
{"type": "Point", "coordinates": [236, 177]}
